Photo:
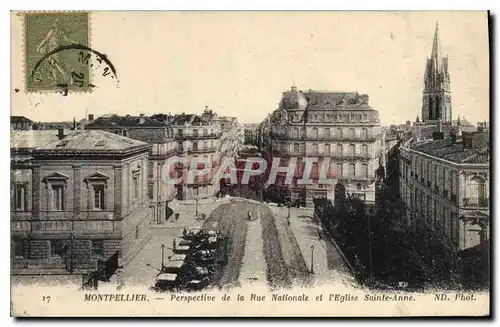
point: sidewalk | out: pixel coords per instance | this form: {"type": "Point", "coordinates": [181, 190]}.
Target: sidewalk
{"type": "Point", "coordinates": [315, 246]}
{"type": "Point", "coordinates": [187, 213]}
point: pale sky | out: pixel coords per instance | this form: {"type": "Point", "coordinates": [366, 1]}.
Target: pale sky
{"type": "Point", "coordinates": [239, 63]}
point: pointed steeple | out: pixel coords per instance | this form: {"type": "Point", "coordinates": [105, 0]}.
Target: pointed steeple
{"type": "Point", "coordinates": [436, 54]}
{"type": "Point", "coordinates": [458, 120]}
{"type": "Point", "coordinates": [418, 119]}
{"type": "Point", "coordinates": [436, 94]}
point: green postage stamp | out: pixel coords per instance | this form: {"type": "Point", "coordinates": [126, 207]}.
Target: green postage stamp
{"type": "Point", "coordinates": [53, 43]}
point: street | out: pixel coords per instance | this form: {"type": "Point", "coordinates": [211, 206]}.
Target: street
{"type": "Point", "coordinates": [266, 249]}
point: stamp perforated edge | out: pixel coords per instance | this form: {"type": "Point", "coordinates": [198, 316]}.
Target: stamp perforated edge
{"type": "Point", "coordinates": [22, 16]}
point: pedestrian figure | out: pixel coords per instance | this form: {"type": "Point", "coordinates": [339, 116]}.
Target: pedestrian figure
{"type": "Point", "coordinates": [184, 232]}
{"type": "Point", "coordinates": [249, 215]}
{"type": "Point", "coordinates": [174, 244]}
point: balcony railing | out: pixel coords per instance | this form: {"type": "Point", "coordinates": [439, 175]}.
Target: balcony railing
{"type": "Point", "coordinates": [476, 203]}
{"type": "Point", "coordinates": [88, 226]}
{"type": "Point", "coordinates": [203, 150]}
{"type": "Point", "coordinates": [291, 137]}
{"type": "Point", "coordinates": [197, 136]}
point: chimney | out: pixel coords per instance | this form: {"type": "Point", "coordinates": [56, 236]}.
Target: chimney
{"type": "Point", "coordinates": [467, 140]}
{"type": "Point", "coordinates": [91, 118]}
{"type": "Point", "coordinates": [141, 119]}
{"type": "Point", "coordinates": [437, 136]}
{"type": "Point", "coordinates": [60, 133]}
{"type": "Point", "coordinates": [364, 98]}
{"type": "Point", "coordinates": [453, 137]}
{"type": "Point", "coordinates": [74, 123]}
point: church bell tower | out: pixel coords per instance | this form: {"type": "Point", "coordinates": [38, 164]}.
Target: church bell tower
{"type": "Point", "coordinates": [436, 99]}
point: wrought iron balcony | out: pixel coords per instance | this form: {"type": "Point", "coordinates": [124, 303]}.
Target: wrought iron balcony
{"type": "Point", "coordinates": [476, 203]}
{"type": "Point", "coordinates": [197, 136]}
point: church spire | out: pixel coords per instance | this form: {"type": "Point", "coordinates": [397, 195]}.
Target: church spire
{"type": "Point", "coordinates": [436, 54]}
{"type": "Point", "coordinates": [436, 94]}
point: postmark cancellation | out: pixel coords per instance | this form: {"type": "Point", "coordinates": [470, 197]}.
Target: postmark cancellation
{"type": "Point", "coordinates": [54, 49]}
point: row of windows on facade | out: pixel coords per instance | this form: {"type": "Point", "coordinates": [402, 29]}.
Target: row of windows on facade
{"type": "Point", "coordinates": [448, 179]}
{"type": "Point", "coordinates": [339, 150]}
{"type": "Point", "coordinates": [338, 170]}
{"type": "Point", "coordinates": [57, 195]}
{"type": "Point", "coordinates": [437, 217]}
{"type": "Point", "coordinates": [326, 117]}
{"type": "Point", "coordinates": [195, 133]}
{"type": "Point", "coordinates": [206, 145]}
{"type": "Point", "coordinates": [327, 133]}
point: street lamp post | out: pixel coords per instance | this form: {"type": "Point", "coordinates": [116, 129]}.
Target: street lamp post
{"type": "Point", "coordinates": [72, 241]}
{"type": "Point", "coordinates": [312, 259]}
{"type": "Point", "coordinates": [197, 194]}
{"type": "Point", "coordinates": [162, 256]}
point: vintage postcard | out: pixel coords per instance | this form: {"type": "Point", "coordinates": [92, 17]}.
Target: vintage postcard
{"type": "Point", "coordinates": [286, 164]}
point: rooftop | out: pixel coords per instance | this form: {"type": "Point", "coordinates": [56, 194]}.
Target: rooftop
{"type": "Point", "coordinates": [83, 142]}
{"type": "Point", "coordinates": [456, 152]}
{"type": "Point", "coordinates": [124, 121]}
{"type": "Point", "coordinates": [324, 100]}
{"type": "Point", "coordinates": [32, 139]}
{"type": "Point", "coordinates": [190, 119]}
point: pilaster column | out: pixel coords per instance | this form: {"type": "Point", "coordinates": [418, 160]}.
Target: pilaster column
{"type": "Point", "coordinates": [36, 184]}
{"type": "Point", "coordinates": [77, 196]}
{"type": "Point", "coordinates": [118, 192]}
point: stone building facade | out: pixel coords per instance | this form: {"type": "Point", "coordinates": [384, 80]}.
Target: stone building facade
{"type": "Point", "coordinates": [76, 200]}
{"type": "Point", "coordinates": [339, 128]}
{"type": "Point", "coordinates": [160, 136]}
{"type": "Point", "coordinates": [445, 186]}
{"type": "Point", "coordinates": [198, 139]}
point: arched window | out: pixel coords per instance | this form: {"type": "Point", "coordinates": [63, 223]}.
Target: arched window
{"type": "Point", "coordinates": [364, 133]}
{"type": "Point", "coordinates": [351, 132]}
{"type": "Point", "coordinates": [365, 170]}
{"type": "Point", "coordinates": [364, 149]}
{"type": "Point", "coordinates": [352, 149]}
{"type": "Point", "coordinates": [352, 169]}
{"type": "Point", "coordinates": [327, 133]}
{"type": "Point", "coordinates": [296, 147]}
{"type": "Point", "coordinates": [295, 132]}
{"type": "Point", "coordinates": [340, 149]}
{"type": "Point", "coordinates": [477, 192]}
{"type": "Point", "coordinates": [315, 132]}
{"type": "Point", "coordinates": [339, 132]}
{"type": "Point", "coordinates": [327, 150]}
{"type": "Point", "coordinates": [315, 148]}
{"type": "Point", "coordinates": [339, 170]}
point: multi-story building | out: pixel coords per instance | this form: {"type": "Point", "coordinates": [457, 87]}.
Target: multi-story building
{"type": "Point", "coordinates": [197, 136]}
{"type": "Point", "coordinates": [77, 199]}
{"type": "Point", "coordinates": [231, 136]}
{"type": "Point", "coordinates": [160, 136]}
{"type": "Point", "coordinates": [250, 134]}
{"type": "Point", "coordinates": [444, 173]}
{"type": "Point", "coordinates": [445, 186]}
{"type": "Point", "coordinates": [339, 128]}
